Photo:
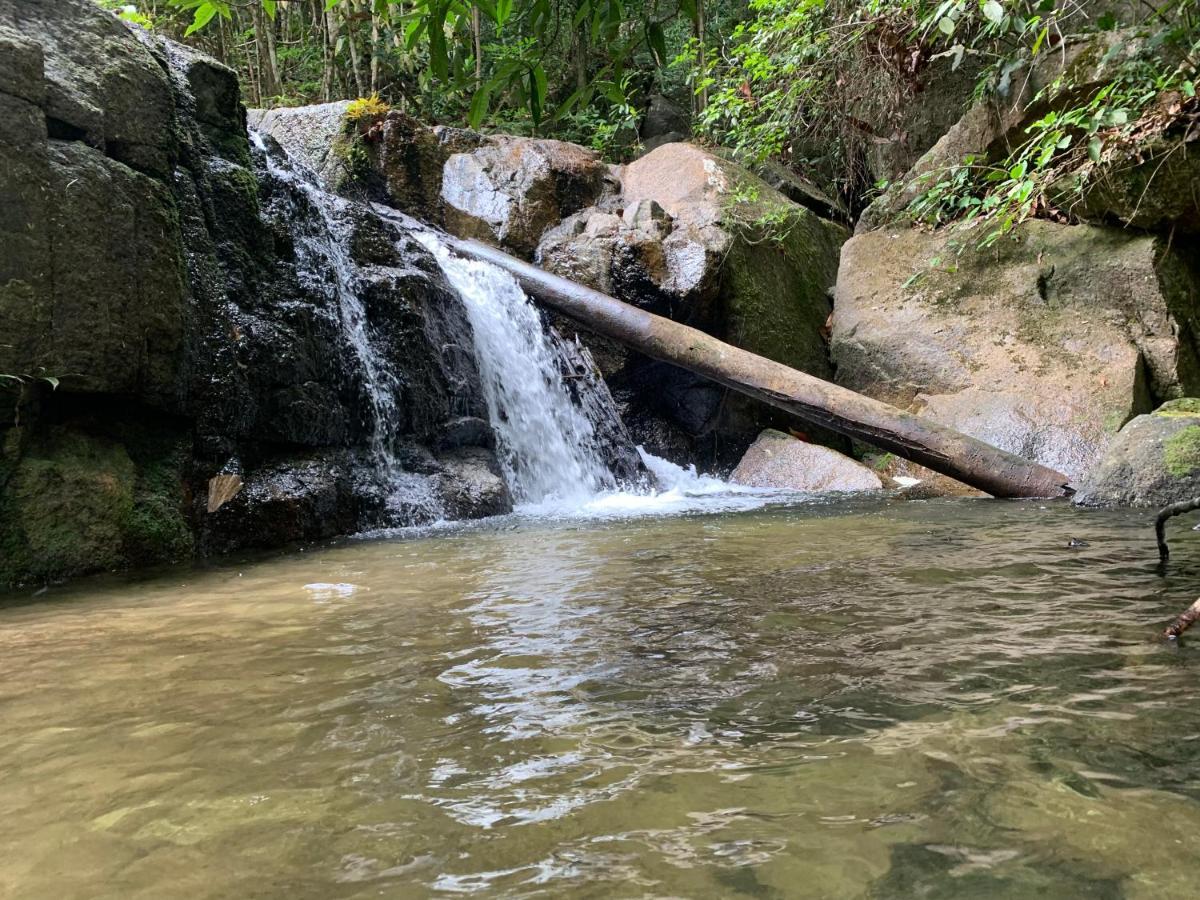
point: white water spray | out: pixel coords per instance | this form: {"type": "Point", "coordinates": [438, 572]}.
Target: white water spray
{"type": "Point", "coordinates": [547, 445]}
{"type": "Point", "coordinates": [378, 381]}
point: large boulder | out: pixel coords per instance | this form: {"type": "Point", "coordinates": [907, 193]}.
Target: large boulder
{"type": "Point", "coordinates": [1154, 461]}
{"type": "Point", "coordinates": [1158, 192]}
{"type": "Point", "coordinates": [994, 124]}
{"type": "Point", "coordinates": [695, 237]}
{"type": "Point", "coordinates": [511, 189]}
{"type": "Point", "coordinates": [314, 136]}
{"type": "Point", "coordinates": [179, 305]}
{"type": "Point", "coordinates": [665, 122]}
{"type": "Point", "coordinates": [1044, 345]}
{"type": "Point", "coordinates": [778, 460]}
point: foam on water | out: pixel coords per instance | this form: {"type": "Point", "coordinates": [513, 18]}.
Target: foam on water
{"type": "Point", "coordinates": [678, 490]}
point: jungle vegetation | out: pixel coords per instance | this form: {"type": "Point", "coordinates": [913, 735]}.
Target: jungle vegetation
{"type": "Point", "coordinates": [811, 84]}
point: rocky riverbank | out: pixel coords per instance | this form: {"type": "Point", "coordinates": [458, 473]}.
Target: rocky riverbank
{"type": "Point", "coordinates": [184, 377]}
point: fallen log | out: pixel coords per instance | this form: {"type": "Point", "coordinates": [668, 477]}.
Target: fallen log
{"type": "Point", "coordinates": [920, 440]}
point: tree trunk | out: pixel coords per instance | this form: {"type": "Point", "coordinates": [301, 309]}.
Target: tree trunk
{"type": "Point", "coordinates": [840, 410]}
{"type": "Point", "coordinates": [375, 51]}
{"type": "Point", "coordinates": [360, 84]}
{"type": "Point", "coordinates": [477, 37]}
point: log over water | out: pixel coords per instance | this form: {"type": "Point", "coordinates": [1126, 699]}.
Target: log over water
{"type": "Point", "coordinates": [920, 440]}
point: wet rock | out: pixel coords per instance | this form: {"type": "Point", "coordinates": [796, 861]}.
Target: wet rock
{"type": "Point", "coordinates": [464, 431]}
{"type": "Point", "coordinates": [286, 501]}
{"type": "Point", "coordinates": [471, 485]}
{"type": "Point", "coordinates": [510, 190]}
{"type": "Point", "coordinates": [589, 392]}
{"type": "Point", "coordinates": [1154, 460]}
{"type": "Point", "coordinates": [1044, 346]}
{"type": "Point", "coordinates": [778, 460]}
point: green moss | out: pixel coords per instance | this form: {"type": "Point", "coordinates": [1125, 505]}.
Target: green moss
{"type": "Point", "coordinates": [1184, 407]}
{"type": "Point", "coordinates": [776, 292]}
{"type": "Point", "coordinates": [65, 508]}
{"type": "Point", "coordinates": [157, 530]}
{"type": "Point", "coordinates": [1181, 451]}
{"type": "Point", "coordinates": [76, 502]}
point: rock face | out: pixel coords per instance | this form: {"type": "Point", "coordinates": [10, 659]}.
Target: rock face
{"type": "Point", "coordinates": [1044, 346]}
{"type": "Point", "coordinates": [510, 190]}
{"type": "Point", "coordinates": [696, 238]}
{"type": "Point", "coordinates": [203, 310]}
{"type": "Point", "coordinates": [1154, 461]}
{"type": "Point", "coordinates": [992, 126]}
{"type": "Point", "coordinates": [778, 460]}
{"type": "Point", "coordinates": [311, 135]}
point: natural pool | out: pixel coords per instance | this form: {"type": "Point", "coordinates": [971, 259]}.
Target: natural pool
{"type": "Point", "coordinates": [864, 699]}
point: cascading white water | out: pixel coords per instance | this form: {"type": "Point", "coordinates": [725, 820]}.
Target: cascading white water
{"type": "Point", "coordinates": [547, 445]}
{"type": "Point", "coordinates": [378, 382]}
{"type": "Point", "coordinates": [410, 496]}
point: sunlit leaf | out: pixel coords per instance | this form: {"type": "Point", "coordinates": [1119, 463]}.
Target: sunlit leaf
{"type": "Point", "coordinates": [204, 14]}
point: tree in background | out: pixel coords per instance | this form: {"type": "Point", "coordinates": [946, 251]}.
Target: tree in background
{"type": "Point", "coordinates": [809, 83]}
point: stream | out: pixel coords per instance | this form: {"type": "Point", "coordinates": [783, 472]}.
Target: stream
{"type": "Point", "coordinates": [754, 697]}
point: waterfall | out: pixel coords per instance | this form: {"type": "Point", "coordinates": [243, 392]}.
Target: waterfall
{"type": "Point", "coordinates": [560, 444]}
{"type": "Point", "coordinates": [547, 445]}
{"type": "Point", "coordinates": [409, 497]}
{"type": "Point", "coordinates": [378, 380]}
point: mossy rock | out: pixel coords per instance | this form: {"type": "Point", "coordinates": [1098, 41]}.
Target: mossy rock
{"type": "Point", "coordinates": [75, 503]}
{"type": "Point", "coordinates": [1154, 461]}
{"type": "Point", "coordinates": [65, 509]}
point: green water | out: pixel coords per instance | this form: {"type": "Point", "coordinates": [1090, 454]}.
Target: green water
{"type": "Point", "coordinates": [887, 700]}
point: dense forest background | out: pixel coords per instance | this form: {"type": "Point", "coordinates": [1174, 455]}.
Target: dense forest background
{"type": "Point", "coordinates": [815, 85]}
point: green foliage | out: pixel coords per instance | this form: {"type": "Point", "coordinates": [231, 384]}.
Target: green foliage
{"type": "Point", "coordinates": [805, 78]}
{"type": "Point", "coordinates": [533, 65]}
{"type": "Point", "coordinates": [1094, 128]}
{"type": "Point", "coordinates": [128, 12]}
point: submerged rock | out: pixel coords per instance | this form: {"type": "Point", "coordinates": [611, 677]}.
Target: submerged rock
{"type": "Point", "coordinates": [1154, 461]}
{"type": "Point", "coordinates": [1044, 346]}
{"type": "Point", "coordinates": [778, 460]}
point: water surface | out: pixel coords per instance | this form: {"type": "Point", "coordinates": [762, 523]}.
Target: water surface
{"type": "Point", "coordinates": [866, 699]}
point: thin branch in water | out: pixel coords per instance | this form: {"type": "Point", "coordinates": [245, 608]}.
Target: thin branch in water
{"type": "Point", "coordinates": [1186, 620]}
{"type": "Point", "coordinates": [1160, 522]}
